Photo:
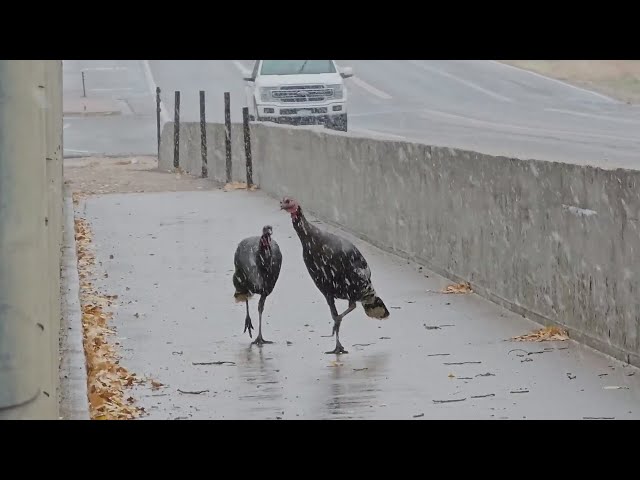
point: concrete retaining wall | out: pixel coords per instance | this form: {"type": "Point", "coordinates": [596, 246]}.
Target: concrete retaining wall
{"type": "Point", "coordinates": [31, 229]}
{"type": "Point", "coordinates": [558, 243]}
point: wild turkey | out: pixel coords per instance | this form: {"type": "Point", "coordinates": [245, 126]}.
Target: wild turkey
{"type": "Point", "coordinates": [337, 268]}
{"type": "Point", "coordinates": [257, 261]}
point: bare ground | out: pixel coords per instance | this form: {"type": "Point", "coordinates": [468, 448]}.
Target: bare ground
{"type": "Point", "coordinates": [619, 79]}
{"type": "Point", "coordinates": [100, 175]}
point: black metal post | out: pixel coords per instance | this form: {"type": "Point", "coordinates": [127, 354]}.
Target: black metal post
{"type": "Point", "coordinates": [227, 128]}
{"type": "Point", "coordinates": [158, 118]}
{"type": "Point", "coordinates": [247, 145]}
{"type": "Point", "coordinates": [203, 136]}
{"type": "Point", "coordinates": [176, 132]}
{"type": "Point", "coordinates": [84, 91]}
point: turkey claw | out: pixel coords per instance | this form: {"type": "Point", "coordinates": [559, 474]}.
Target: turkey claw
{"type": "Point", "coordinates": [248, 326]}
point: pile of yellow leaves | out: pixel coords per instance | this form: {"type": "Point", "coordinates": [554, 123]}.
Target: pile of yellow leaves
{"type": "Point", "coordinates": [107, 380]}
{"type": "Point", "coordinates": [238, 186]}
{"type": "Point", "coordinates": [464, 287]}
{"type": "Point", "coordinates": [76, 197]}
{"type": "Point", "coordinates": [544, 335]}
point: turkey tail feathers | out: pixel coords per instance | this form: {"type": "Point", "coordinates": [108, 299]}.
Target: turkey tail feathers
{"type": "Point", "coordinates": [376, 309]}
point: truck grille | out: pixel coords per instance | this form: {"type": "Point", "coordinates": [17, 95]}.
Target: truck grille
{"type": "Point", "coordinates": [302, 93]}
{"type": "Point", "coordinates": [293, 111]}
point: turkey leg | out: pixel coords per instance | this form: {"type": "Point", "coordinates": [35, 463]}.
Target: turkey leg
{"type": "Point", "coordinates": [247, 321]}
{"type": "Point", "coordinates": [259, 340]}
{"type": "Point", "coordinates": [334, 314]}
{"type": "Point", "coordinates": [337, 321]}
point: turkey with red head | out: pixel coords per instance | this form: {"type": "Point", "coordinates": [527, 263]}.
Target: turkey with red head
{"type": "Point", "coordinates": [337, 268]}
{"type": "Point", "coordinates": [257, 267]}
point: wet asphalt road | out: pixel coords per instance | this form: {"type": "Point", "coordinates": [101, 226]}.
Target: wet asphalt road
{"type": "Point", "coordinates": [437, 356]}
{"type": "Point", "coordinates": [123, 83]}
{"type": "Point", "coordinates": [475, 105]}
{"type": "Point", "coordinates": [484, 106]}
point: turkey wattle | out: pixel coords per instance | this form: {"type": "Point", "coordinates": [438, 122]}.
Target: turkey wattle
{"type": "Point", "coordinates": [337, 268]}
{"type": "Point", "coordinates": [257, 267]}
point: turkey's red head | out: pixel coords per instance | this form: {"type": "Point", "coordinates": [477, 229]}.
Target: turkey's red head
{"type": "Point", "coordinates": [290, 205]}
{"type": "Point", "coordinates": [265, 240]}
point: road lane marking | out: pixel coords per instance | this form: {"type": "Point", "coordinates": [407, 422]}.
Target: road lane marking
{"type": "Point", "coordinates": [462, 81]}
{"type": "Point", "coordinates": [593, 115]}
{"type": "Point", "coordinates": [152, 88]}
{"type": "Point", "coordinates": [121, 89]}
{"type": "Point", "coordinates": [103, 69]}
{"type": "Point", "coordinates": [243, 70]}
{"type": "Point", "coordinates": [370, 88]}
{"type": "Point", "coordinates": [583, 90]}
{"type": "Point", "coordinates": [511, 126]}
{"type": "Point", "coordinates": [377, 133]}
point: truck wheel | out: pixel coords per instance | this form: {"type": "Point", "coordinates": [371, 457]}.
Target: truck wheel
{"type": "Point", "coordinates": [340, 123]}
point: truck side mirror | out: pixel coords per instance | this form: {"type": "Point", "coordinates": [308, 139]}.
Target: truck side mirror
{"type": "Point", "coordinates": [346, 72]}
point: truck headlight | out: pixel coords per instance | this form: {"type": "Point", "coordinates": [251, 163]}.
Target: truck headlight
{"type": "Point", "coordinates": [265, 94]}
{"type": "Point", "coordinates": [337, 91]}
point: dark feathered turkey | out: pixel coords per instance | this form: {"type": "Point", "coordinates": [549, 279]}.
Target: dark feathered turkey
{"type": "Point", "coordinates": [337, 268]}
{"type": "Point", "coordinates": [257, 267]}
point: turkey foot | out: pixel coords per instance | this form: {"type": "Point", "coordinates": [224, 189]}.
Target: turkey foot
{"type": "Point", "coordinates": [338, 350]}
{"type": "Point", "coordinates": [337, 320]}
{"type": "Point", "coordinates": [248, 325]}
{"type": "Point", "coordinates": [260, 341]}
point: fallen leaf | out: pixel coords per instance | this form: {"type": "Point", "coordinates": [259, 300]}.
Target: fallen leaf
{"type": "Point", "coordinates": [106, 380]}
{"type": "Point", "coordinates": [543, 335]}
{"type": "Point", "coordinates": [155, 385]}
{"type": "Point", "coordinates": [238, 186]}
{"type": "Point", "coordinates": [464, 287]}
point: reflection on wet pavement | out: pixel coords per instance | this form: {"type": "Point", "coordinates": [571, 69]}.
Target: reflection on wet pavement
{"type": "Point", "coordinates": [264, 395]}
{"type": "Point", "coordinates": [352, 393]}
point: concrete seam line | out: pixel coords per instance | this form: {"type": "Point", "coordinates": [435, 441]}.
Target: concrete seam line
{"type": "Point", "coordinates": [73, 370]}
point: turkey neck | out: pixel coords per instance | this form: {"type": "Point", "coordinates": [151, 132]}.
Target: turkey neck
{"type": "Point", "coordinates": [302, 226]}
{"type": "Point", "coordinates": [264, 253]}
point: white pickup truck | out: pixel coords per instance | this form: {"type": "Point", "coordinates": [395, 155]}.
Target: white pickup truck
{"type": "Point", "coordinates": [299, 92]}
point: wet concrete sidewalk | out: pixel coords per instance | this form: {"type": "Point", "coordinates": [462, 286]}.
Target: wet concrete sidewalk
{"type": "Point", "coordinates": [169, 258]}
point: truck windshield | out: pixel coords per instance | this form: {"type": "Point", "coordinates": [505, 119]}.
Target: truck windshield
{"type": "Point", "coordinates": [297, 67]}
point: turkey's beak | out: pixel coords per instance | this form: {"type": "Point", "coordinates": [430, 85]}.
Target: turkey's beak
{"type": "Point", "coordinates": [281, 206]}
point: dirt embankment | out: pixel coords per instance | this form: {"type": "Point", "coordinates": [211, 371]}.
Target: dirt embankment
{"type": "Point", "coordinates": [618, 79]}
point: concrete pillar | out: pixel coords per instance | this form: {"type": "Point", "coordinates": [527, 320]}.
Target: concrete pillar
{"type": "Point", "coordinates": [26, 385]}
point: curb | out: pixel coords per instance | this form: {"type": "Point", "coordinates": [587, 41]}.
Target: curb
{"type": "Point", "coordinates": [92, 114]}
{"type": "Point", "coordinates": [74, 399]}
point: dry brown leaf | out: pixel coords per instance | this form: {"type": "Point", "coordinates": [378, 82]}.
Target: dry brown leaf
{"type": "Point", "coordinates": [155, 385]}
{"type": "Point", "coordinates": [544, 335]}
{"type": "Point", "coordinates": [106, 378]}
{"type": "Point", "coordinates": [464, 287]}
{"type": "Point", "coordinates": [238, 186]}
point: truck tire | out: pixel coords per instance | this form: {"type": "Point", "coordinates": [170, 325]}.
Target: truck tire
{"type": "Point", "coordinates": [340, 122]}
